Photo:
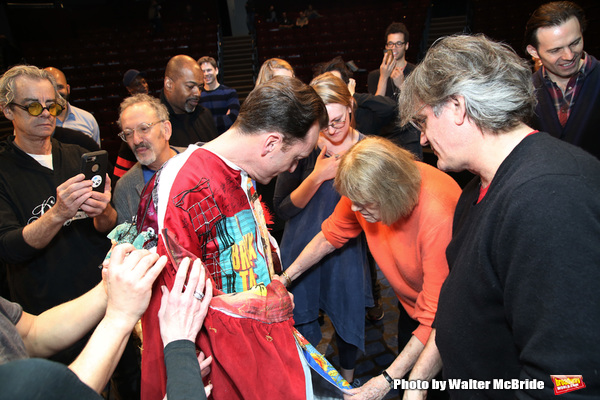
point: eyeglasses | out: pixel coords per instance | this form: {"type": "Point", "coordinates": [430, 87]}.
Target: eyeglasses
{"type": "Point", "coordinates": [36, 108]}
{"type": "Point", "coordinates": [391, 45]}
{"type": "Point", "coordinates": [418, 123]}
{"type": "Point", "coordinates": [144, 129]}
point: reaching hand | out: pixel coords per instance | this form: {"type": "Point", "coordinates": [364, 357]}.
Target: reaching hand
{"type": "Point", "coordinates": [204, 364]}
{"type": "Point", "coordinates": [326, 167]}
{"type": "Point", "coordinates": [183, 309]}
{"type": "Point", "coordinates": [98, 201]}
{"type": "Point", "coordinates": [376, 388]}
{"type": "Point", "coordinates": [128, 276]}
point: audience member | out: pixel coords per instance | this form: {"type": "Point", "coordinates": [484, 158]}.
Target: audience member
{"type": "Point", "coordinates": [135, 82]}
{"type": "Point", "coordinates": [407, 220]}
{"type": "Point", "coordinates": [273, 67]}
{"type": "Point", "coordinates": [568, 84]}
{"type": "Point", "coordinates": [73, 117]}
{"type": "Point", "coordinates": [311, 13]}
{"type": "Point", "coordinates": [52, 224]}
{"type": "Point", "coordinates": [272, 15]}
{"type": "Point", "coordinates": [181, 94]}
{"type": "Point", "coordinates": [388, 80]}
{"type": "Point", "coordinates": [206, 206]}
{"type": "Point", "coordinates": [190, 122]}
{"type": "Point", "coordinates": [221, 100]}
{"type": "Point", "coordinates": [41, 230]}
{"type": "Point", "coordinates": [301, 21]}
{"type": "Point", "coordinates": [114, 305]}
{"type": "Point", "coordinates": [305, 198]}
{"type": "Point", "coordinates": [146, 130]}
{"type": "Point", "coordinates": [524, 240]}
{"type": "Point", "coordinates": [372, 113]}
{"type": "Point", "coordinates": [285, 21]}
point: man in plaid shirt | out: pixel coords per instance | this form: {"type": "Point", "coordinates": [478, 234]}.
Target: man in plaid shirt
{"type": "Point", "coordinates": [568, 84]}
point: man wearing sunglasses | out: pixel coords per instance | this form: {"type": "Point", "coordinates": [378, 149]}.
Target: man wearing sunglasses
{"type": "Point", "coordinates": [73, 117]}
{"type": "Point", "coordinates": [52, 225]}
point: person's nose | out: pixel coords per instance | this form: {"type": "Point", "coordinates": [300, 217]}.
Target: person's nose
{"type": "Point", "coordinates": [355, 208]}
{"type": "Point", "coordinates": [568, 54]}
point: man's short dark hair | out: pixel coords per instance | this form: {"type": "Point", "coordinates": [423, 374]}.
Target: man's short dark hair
{"type": "Point", "coordinates": [336, 64]}
{"type": "Point", "coordinates": [284, 105]}
{"type": "Point", "coordinates": [397, 27]}
{"type": "Point", "coordinates": [207, 59]}
{"type": "Point", "coordinates": [552, 14]}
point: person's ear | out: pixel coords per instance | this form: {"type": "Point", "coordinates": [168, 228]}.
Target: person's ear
{"type": "Point", "coordinates": [406, 46]}
{"type": "Point", "coordinates": [168, 84]}
{"type": "Point", "coordinates": [459, 109]}
{"type": "Point", "coordinates": [68, 89]}
{"type": "Point", "coordinates": [532, 51]}
{"type": "Point", "coordinates": [271, 142]}
{"type": "Point", "coordinates": [8, 112]}
{"type": "Point", "coordinates": [168, 130]}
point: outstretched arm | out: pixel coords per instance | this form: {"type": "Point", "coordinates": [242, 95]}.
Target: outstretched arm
{"type": "Point", "coordinates": [314, 251]}
{"type": "Point", "coordinates": [129, 279]}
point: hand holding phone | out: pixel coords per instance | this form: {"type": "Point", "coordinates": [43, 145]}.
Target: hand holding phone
{"type": "Point", "coordinates": [94, 166]}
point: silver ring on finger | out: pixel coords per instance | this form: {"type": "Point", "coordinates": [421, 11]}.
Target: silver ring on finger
{"type": "Point", "coordinates": [198, 295]}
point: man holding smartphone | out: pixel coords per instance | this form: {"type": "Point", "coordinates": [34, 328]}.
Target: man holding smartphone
{"type": "Point", "coordinates": [387, 80]}
{"type": "Point", "coordinates": [50, 248]}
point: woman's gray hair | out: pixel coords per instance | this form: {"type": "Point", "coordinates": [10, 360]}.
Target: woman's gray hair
{"type": "Point", "coordinates": [494, 81]}
{"type": "Point", "coordinates": [376, 171]}
{"type": "Point", "coordinates": [8, 80]}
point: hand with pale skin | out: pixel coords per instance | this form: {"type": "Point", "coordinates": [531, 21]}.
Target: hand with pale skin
{"type": "Point", "coordinates": [352, 86]}
{"type": "Point", "coordinates": [375, 389]}
{"type": "Point", "coordinates": [181, 314]}
{"type": "Point", "coordinates": [98, 201]}
{"type": "Point", "coordinates": [388, 65]}
{"type": "Point", "coordinates": [326, 167]}
{"type": "Point", "coordinates": [70, 195]}
{"type": "Point", "coordinates": [128, 276]}
{"type": "Point", "coordinates": [397, 77]}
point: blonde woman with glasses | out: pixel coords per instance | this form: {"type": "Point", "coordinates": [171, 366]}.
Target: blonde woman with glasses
{"type": "Point", "coordinates": [340, 284]}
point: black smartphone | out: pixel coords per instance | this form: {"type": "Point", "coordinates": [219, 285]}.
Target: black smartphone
{"type": "Point", "coordinates": [94, 166]}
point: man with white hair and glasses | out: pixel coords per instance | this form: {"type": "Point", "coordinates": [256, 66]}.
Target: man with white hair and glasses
{"type": "Point", "coordinates": [146, 130]}
{"type": "Point", "coordinates": [521, 300]}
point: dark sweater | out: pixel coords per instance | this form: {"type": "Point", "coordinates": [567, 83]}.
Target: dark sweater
{"type": "Point", "coordinates": [522, 298]}
{"type": "Point", "coordinates": [583, 126]}
{"type": "Point", "coordinates": [190, 128]}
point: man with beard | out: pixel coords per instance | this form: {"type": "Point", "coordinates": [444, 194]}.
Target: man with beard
{"type": "Point", "coordinates": [221, 100]}
{"type": "Point", "coordinates": [568, 84]}
{"type": "Point", "coordinates": [73, 117]}
{"type": "Point", "coordinates": [190, 121]}
{"type": "Point", "coordinates": [146, 130]}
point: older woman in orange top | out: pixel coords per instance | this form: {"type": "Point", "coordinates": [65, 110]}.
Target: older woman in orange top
{"type": "Point", "coordinates": [405, 208]}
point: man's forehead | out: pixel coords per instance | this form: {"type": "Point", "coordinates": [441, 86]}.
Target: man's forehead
{"type": "Point", "coordinates": [138, 111]}
{"type": "Point", "coordinates": [550, 36]}
{"type": "Point", "coordinates": [26, 87]}
{"type": "Point", "coordinates": [396, 36]}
